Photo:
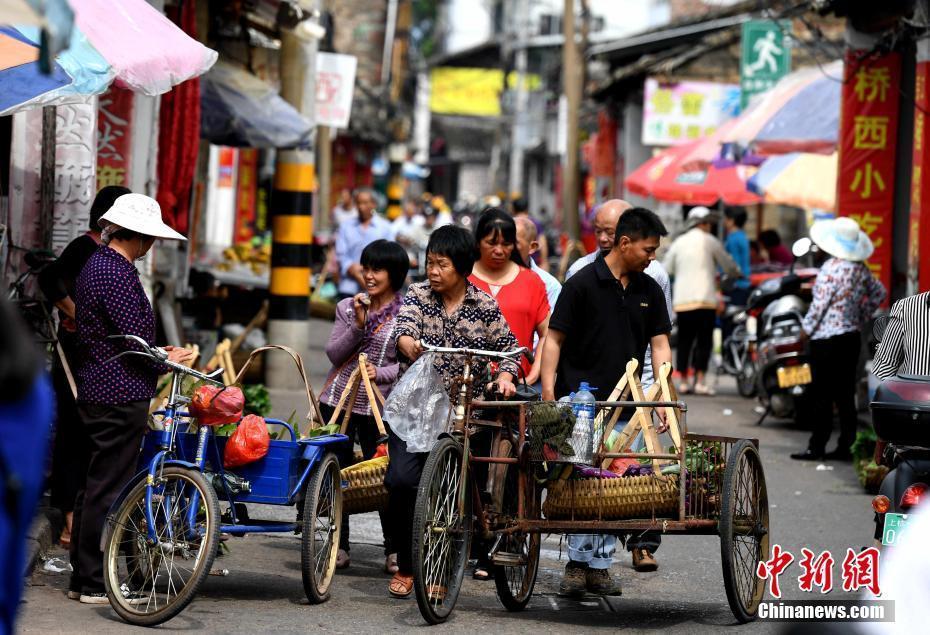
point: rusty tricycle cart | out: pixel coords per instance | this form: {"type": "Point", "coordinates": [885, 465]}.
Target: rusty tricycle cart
{"type": "Point", "coordinates": [485, 478]}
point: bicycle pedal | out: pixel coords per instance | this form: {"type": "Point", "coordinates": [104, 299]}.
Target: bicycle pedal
{"type": "Point", "coordinates": [504, 559]}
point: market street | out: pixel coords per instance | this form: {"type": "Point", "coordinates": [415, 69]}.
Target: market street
{"type": "Point", "coordinates": [817, 509]}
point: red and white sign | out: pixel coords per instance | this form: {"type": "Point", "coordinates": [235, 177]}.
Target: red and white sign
{"type": "Point", "coordinates": [114, 137]}
{"type": "Point", "coordinates": [335, 84]}
{"type": "Point", "coordinates": [868, 129]}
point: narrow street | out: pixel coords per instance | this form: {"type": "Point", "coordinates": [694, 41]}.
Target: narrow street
{"type": "Point", "coordinates": [819, 509]}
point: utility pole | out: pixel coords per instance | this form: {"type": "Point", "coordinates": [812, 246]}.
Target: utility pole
{"type": "Point", "coordinates": [521, 20]}
{"type": "Point", "coordinates": [572, 79]}
{"type": "Point", "coordinates": [292, 212]}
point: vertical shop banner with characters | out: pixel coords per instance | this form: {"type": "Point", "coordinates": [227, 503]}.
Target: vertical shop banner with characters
{"type": "Point", "coordinates": [868, 129]}
{"type": "Point", "coordinates": [246, 195]}
{"type": "Point", "coordinates": [114, 137]}
{"type": "Point", "coordinates": [918, 277]}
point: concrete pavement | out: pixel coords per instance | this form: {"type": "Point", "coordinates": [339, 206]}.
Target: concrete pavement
{"type": "Point", "coordinates": [818, 509]}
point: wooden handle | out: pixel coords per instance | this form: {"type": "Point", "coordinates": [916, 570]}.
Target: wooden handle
{"type": "Point", "coordinates": [373, 393]}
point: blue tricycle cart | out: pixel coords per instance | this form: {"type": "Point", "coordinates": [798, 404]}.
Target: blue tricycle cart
{"type": "Point", "coordinates": [163, 531]}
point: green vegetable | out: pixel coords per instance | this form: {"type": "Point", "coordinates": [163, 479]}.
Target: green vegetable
{"type": "Point", "coordinates": [257, 400]}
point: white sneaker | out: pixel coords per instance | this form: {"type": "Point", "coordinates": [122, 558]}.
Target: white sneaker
{"type": "Point", "coordinates": [94, 598]}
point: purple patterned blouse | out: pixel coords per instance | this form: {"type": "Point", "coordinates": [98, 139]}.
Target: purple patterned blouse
{"type": "Point", "coordinates": [109, 300]}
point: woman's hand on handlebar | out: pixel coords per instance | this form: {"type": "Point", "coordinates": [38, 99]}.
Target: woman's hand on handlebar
{"type": "Point", "coordinates": [409, 347]}
{"type": "Point", "coordinates": [178, 355]}
{"type": "Point", "coordinates": [505, 386]}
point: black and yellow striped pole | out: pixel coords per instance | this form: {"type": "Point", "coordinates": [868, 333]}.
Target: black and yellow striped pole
{"type": "Point", "coordinates": [292, 235]}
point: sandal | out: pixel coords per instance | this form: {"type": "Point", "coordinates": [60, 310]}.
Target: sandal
{"type": "Point", "coordinates": [401, 586]}
{"type": "Point", "coordinates": [436, 592]}
{"type": "Point", "coordinates": [342, 559]}
{"type": "Point", "coordinates": [481, 572]}
{"type": "Point", "coordinates": [390, 564]}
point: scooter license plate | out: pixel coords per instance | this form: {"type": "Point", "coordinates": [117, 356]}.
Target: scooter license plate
{"type": "Point", "coordinates": [789, 376]}
{"type": "Point", "coordinates": [894, 525]}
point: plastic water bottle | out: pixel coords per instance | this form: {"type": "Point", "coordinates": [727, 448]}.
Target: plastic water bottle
{"type": "Point", "coordinates": [583, 432]}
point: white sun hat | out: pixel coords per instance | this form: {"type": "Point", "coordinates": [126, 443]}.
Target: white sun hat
{"type": "Point", "coordinates": [141, 214]}
{"type": "Point", "coordinates": [700, 214]}
{"type": "Point", "coordinates": [842, 237]}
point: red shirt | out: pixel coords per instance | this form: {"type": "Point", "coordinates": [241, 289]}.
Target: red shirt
{"type": "Point", "coordinates": [523, 303]}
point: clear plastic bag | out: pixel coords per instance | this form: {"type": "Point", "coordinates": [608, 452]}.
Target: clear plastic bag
{"type": "Point", "coordinates": [418, 407]}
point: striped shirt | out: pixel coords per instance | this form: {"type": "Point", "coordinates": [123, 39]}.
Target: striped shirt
{"type": "Point", "coordinates": [905, 347]}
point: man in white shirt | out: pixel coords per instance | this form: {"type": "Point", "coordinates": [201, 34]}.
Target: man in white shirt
{"type": "Point", "coordinates": [354, 235]}
{"type": "Point", "coordinates": [527, 245]}
{"type": "Point", "coordinates": [344, 209]}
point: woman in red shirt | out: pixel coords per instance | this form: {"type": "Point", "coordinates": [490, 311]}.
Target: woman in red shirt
{"type": "Point", "coordinates": [519, 292]}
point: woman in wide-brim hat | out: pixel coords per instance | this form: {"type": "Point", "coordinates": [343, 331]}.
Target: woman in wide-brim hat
{"type": "Point", "coordinates": [113, 398]}
{"type": "Point", "coordinates": [846, 294]}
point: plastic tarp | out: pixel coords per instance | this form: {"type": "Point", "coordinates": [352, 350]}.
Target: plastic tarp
{"type": "Point", "coordinates": [239, 109]}
{"type": "Point", "coordinates": [148, 52]}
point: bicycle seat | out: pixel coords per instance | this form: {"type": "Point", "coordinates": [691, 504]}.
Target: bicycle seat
{"type": "Point", "coordinates": [35, 259]}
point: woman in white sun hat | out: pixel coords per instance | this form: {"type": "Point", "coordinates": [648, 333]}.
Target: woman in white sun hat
{"type": "Point", "coordinates": [113, 398]}
{"type": "Point", "coordinates": [846, 294]}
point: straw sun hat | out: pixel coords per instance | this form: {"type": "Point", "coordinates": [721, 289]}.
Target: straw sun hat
{"type": "Point", "coordinates": [842, 238]}
{"type": "Point", "coordinates": [141, 214]}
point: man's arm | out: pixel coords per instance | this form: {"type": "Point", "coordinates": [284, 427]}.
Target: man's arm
{"type": "Point", "coordinates": [724, 260]}
{"type": "Point", "coordinates": [552, 350]}
{"type": "Point", "coordinates": [890, 352]}
{"type": "Point", "coordinates": [661, 352]}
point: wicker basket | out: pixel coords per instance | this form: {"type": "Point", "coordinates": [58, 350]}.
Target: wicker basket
{"type": "Point", "coordinates": [363, 486]}
{"type": "Point", "coordinates": [612, 498]}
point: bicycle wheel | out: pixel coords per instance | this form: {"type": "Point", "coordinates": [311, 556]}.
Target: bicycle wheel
{"type": "Point", "coordinates": [516, 557]}
{"type": "Point", "coordinates": [746, 382]}
{"type": "Point", "coordinates": [319, 540]}
{"type": "Point", "coordinates": [148, 584]}
{"type": "Point", "coordinates": [744, 530]}
{"type": "Point", "coordinates": [441, 532]}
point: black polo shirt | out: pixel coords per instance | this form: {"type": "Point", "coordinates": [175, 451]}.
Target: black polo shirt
{"type": "Point", "coordinates": [605, 326]}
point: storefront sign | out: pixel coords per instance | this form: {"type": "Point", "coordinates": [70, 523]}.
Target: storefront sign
{"type": "Point", "coordinates": [680, 112]}
{"type": "Point", "coordinates": [246, 195]}
{"type": "Point", "coordinates": [335, 85]}
{"type": "Point", "coordinates": [868, 127]}
{"type": "Point", "coordinates": [75, 167]}
{"type": "Point", "coordinates": [475, 92]}
{"type": "Point", "coordinates": [765, 56]}
{"type": "Point", "coordinates": [114, 137]}
{"type": "Point", "coordinates": [918, 270]}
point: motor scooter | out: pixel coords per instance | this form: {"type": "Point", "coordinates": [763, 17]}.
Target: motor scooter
{"type": "Point", "coordinates": [901, 418]}
{"type": "Point", "coordinates": [782, 366]}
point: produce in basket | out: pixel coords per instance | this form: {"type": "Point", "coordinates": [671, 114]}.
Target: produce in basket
{"type": "Point", "coordinates": [215, 406]}
{"type": "Point", "coordinates": [550, 428]}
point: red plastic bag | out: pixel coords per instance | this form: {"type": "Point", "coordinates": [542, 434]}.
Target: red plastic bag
{"type": "Point", "coordinates": [248, 443]}
{"type": "Point", "coordinates": [215, 406]}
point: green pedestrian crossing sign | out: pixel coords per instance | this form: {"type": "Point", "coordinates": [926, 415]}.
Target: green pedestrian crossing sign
{"type": "Point", "coordinates": [765, 56]}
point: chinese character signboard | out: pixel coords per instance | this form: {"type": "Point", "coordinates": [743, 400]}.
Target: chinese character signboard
{"type": "Point", "coordinates": [246, 195]}
{"type": "Point", "coordinates": [680, 112]}
{"type": "Point", "coordinates": [114, 134]}
{"type": "Point", "coordinates": [765, 56]}
{"type": "Point", "coordinates": [918, 276]}
{"type": "Point", "coordinates": [868, 126]}
{"type": "Point", "coordinates": [335, 84]}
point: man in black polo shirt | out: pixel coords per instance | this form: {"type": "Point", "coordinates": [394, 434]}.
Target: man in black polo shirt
{"type": "Point", "coordinates": [606, 315]}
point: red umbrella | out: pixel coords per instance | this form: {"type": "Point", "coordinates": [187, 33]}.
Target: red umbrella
{"type": "Point", "coordinates": [689, 174]}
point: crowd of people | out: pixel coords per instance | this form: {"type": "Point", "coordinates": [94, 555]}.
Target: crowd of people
{"type": "Point", "coordinates": [484, 287]}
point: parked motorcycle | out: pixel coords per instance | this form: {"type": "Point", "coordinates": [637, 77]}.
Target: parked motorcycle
{"type": "Point", "coordinates": [901, 418]}
{"type": "Point", "coordinates": [782, 361]}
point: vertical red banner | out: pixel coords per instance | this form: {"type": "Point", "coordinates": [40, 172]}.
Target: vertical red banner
{"type": "Point", "coordinates": [868, 132]}
{"type": "Point", "coordinates": [114, 137]}
{"type": "Point", "coordinates": [919, 220]}
{"type": "Point", "coordinates": [246, 195]}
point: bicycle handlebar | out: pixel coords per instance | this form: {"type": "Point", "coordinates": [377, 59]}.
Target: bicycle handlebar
{"type": "Point", "coordinates": [161, 355]}
{"type": "Point", "coordinates": [511, 355]}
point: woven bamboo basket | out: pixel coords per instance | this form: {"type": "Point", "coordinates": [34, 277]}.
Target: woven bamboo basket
{"type": "Point", "coordinates": [612, 498]}
{"type": "Point", "coordinates": [363, 486]}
